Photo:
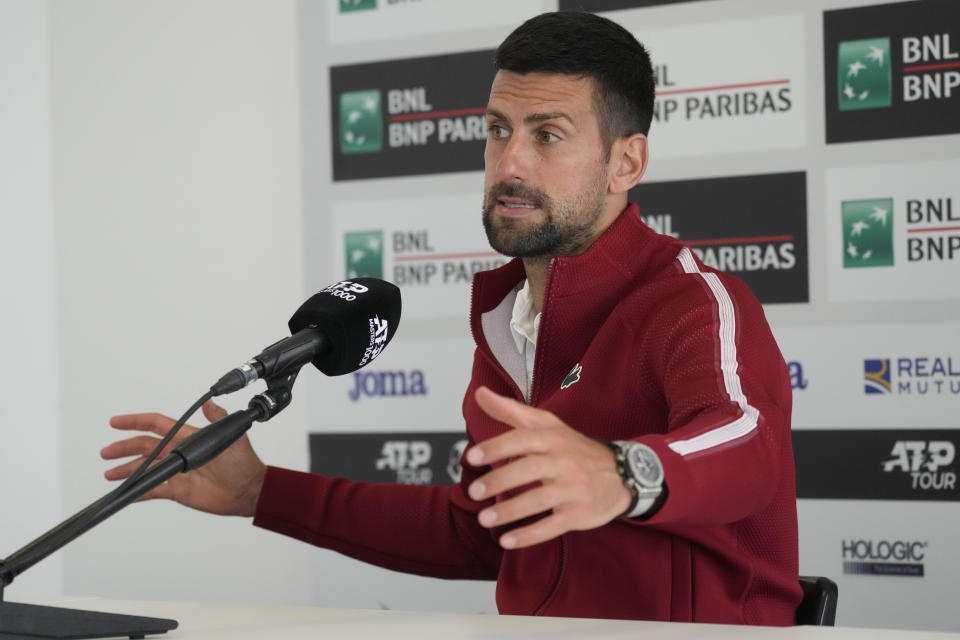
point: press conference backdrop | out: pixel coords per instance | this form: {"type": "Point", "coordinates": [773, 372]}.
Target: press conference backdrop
{"type": "Point", "coordinates": [810, 148]}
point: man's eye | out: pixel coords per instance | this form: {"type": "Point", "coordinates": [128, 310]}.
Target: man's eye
{"type": "Point", "coordinates": [546, 136]}
{"type": "Point", "coordinates": [497, 131]}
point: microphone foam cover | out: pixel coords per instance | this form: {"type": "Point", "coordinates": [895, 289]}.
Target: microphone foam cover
{"type": "Point", "coordinates": [359, 317]}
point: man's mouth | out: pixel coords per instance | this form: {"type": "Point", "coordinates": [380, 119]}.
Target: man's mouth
{"type": "Point", "coordinates": [516, 203]}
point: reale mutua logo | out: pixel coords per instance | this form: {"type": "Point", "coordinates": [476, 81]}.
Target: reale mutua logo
{"type": "Point", "coordinates": [918, 375]}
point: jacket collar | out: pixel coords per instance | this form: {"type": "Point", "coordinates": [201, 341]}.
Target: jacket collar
{"type": "Point", "coordinates": [581, 291]}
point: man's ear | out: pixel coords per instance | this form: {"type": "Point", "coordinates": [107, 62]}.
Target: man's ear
{"type": "Point", "coordinates": [628, 162]}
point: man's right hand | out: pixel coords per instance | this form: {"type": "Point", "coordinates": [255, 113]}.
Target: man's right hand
{"type": "Point", "coordinates": [228, 485]}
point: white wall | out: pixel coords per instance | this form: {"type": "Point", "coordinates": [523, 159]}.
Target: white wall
{"type": "Point", "coordinates": [29, 435]}
{"type": "Point", "coordinates": [175, 127]}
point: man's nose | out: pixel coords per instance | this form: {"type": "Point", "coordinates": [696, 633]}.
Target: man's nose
{"type": "Point", "coordinates": [514, 162]}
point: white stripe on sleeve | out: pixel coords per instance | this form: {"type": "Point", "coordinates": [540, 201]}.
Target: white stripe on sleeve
{"type": "Point", "coordinates": [728, 365]}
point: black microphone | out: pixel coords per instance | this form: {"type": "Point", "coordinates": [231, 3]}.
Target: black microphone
{"type": "Point", "coordinates": [340, 329]}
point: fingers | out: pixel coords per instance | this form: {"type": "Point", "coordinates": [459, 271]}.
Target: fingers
{"type": "Point", "coordinates": [529, 503]}
{"type": "Point", "coordinates": [213, 412]}
{"type": "Point", "coordinates": [122, 471]}
{"type": "Point", "coordinates": [512, 412]}
{"type": "Point", "coordinates": [542, 530]}
{"type": "Point", "coordinates": [518, 473]}
{"type": "Point", "coordinates": [154, 422]}
{"type": "Point", "coordinates": [137, 446]}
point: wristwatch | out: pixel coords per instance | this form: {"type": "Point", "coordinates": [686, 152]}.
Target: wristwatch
{"type": "Point", "coordinates": [642, 473]}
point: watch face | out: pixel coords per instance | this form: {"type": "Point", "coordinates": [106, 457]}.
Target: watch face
{"type": "Point", "coordinates": [645, 465]}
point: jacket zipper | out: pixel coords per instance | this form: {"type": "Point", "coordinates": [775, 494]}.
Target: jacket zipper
{"type": "Point", "coordinates": [518, 393]}
{"type": "Point", "coordinates": [556, 585]}
{"type": "Point", "coordinates": [544, 318]}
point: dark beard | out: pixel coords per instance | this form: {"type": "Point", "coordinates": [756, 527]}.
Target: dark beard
{"type": "Point", "coordinates": [552, 236]}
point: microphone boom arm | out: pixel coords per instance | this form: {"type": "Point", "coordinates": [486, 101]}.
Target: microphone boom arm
{"type": "Point", "coordinates": [191, 453]}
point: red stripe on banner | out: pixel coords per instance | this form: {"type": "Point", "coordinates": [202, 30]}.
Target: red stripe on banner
{"type": "Point", "coordinates": [722, 87]}
{"type": "Point", "coordinates": [447, 256]}
{"type": "Point", "coordinates": [426, 115]}
{"type": "Point", "coordinates": [931, 67]}
{"type": "Point", "coordinates": [739, 240]}
{"type": "Point", "coordinates": [933, 229]}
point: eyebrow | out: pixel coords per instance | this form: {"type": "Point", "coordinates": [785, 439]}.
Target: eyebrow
{"type": "Point", "coordinates": [534, 117]}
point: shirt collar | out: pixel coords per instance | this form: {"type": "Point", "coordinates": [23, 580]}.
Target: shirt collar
{"type": "Point", "coordinates": [525, 321]}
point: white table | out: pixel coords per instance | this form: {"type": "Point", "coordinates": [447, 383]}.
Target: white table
{"type": "Point", "coordinates": [202, 620]}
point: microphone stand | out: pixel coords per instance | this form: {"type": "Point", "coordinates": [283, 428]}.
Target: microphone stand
{"type": "Point", "coordinates": [25, 620]}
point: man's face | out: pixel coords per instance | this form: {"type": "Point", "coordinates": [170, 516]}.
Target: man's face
{"type": "Point", "coordinates": [546, 172]}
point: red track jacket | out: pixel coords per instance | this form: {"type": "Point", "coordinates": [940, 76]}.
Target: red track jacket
{"type": "Point", "coordinates": [670, 353]}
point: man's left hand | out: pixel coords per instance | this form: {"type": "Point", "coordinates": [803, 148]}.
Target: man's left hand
{"type": "Point", "coordinates": [577, 476]}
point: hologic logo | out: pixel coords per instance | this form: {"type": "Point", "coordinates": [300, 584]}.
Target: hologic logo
{"type": "Point", "coordinates": [387, 384]}
{"type": "Point", "coordinates": [884, 557]}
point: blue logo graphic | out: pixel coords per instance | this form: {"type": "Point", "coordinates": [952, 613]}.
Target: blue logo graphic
{"type": "Point", "coordinates": [876, 376]}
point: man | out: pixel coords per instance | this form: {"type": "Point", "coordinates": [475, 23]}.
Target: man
{"type": "Point", "coordinates": [628, 414]}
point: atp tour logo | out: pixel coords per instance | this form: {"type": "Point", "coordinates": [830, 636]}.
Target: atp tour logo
{"type": "Point", "coordinates": [867, 233]}
{"type": "Point", "coordinates": [877, 464]}
{"type": "Point", "coordinates": [409, 459]}
{"type": "Point", "coordinates": [884, 557]}
{"type": "Point", "coordinates": [922, 376]}
{"type": "Point", "coordinates": [892, 70]}
{"type": "Point", "coordinates": [405, 458]}
{"type": "Point", "coordinates": [927, 462]}
{"type": "Point", "coordinates": [864, 74]}
{"type": "Point", "coordinates": [410, 116]}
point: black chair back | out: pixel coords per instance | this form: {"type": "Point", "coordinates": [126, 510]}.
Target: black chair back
{"type": "Point", "coordinates": [819, 604]}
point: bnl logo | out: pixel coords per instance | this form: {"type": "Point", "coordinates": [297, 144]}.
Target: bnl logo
{"type": "Point", "coordinates": [361, 124]}
{"type": "Point", "coordinates": [864, 80]}
{"type": "Point", "coordinates": [346, 6]}
{"type": "Point", "coordinates": [364, 253]}
{"type": "Point", "coordinates": [876, 376]}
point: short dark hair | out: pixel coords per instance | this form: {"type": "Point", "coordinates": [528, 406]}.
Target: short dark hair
{"type": "Point", "coordinates": [582, 44]}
